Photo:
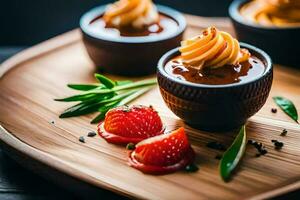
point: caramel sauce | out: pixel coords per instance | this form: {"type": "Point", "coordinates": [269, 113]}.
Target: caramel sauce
{"type": "Point", "coordinates": [166, 25]}
{"type": "Point", "coordinates": [228, 74]}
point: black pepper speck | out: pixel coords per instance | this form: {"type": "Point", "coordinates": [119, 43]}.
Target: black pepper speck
{"type": "Point", "coordinates": [274, 110]}
{"type": "Point", "coordinates": [263, 151]}
{"type": "Point", "coordinates": [92, 134]}
{"type": "Point", "coordinates": [284, 132]}
{"type": "Point", "coordinates": [251, 142]}
{"type": "Point", "coordinates": [259, 147]}
{"type": "Point", "coordinates": [278, 145]}
{"type": "Point", "coordinates": [191, 168]}
{"type": "Point", "coordinates": [81, 139]}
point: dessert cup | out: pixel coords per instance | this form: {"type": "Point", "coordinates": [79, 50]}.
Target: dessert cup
{"type": "Point", "coordinates": [215, 107]}
{"type": "Point", "coordinates": [282, 43]}
{"type": "Point", "coordinates": [130, 56]}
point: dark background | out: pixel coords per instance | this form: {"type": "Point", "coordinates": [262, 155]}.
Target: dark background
{"type": "Point", "coordinates": [27, 22]}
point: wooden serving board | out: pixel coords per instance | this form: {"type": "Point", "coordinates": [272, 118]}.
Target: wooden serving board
{"type": "Point", "coordinates": [32, 79]}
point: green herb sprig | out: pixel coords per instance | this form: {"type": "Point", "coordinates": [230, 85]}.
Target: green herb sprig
{"type": "Point", "coordinates": [233, 155]}
{"type": "Point", "coordinates": [287, 106]}
{"type": "Point", "coordinates": [103, 96]}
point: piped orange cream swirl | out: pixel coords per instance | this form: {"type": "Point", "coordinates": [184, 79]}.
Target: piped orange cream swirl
{"type": "Point", "coordinates": [133, 13]}
{"type": "Point", "coordinates": [213, 48]}
{"type": "Point", "coordinates": [273, 12]}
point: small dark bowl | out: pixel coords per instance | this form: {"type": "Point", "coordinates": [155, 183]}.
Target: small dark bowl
{"type": "Point", "coordinates": [215, 107]}
{"type": "Point", "coordinates": [282, 43]}
{"type": "Point", "coordinates": [131, 56]}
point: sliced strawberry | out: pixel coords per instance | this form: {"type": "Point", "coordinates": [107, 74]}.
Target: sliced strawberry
{"type": "Point", "coordinates": [125, 124]}
{"type": "Point", "coordinates": [163, 154]}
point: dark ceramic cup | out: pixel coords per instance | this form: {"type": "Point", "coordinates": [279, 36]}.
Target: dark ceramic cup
{"type": "Point", "coordinates": [282, 43]}
{"type": "Point", "coordinates": [130, 56]}
{"type": "Point", "coordinates": [215, 107]}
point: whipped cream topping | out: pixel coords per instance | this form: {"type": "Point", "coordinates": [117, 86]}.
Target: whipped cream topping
{"type": "Point", "coordinates": [273, 12]}
{"type": "Point", "coordinates": [213, 48]}
{"type": "Point", "coordinates": [132, 13]}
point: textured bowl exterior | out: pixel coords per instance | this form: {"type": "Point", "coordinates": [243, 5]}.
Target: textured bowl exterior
{"type": "Point", "coordinates": [281, 43]}
{"type": "Point", "coordinates": [130, 56]}
{"type": "Point", "coordinates": [214, 108]}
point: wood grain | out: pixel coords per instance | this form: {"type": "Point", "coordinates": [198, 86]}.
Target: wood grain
{"type": "Point", "coordinates": [39, 75]}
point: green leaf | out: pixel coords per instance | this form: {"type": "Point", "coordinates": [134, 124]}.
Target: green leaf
{"type": "Point", "coordinates": [137, 84]}
{"type": "Point", "coordinates": [133, 96]}
{"type": "Point", "coordinates": [120, 96]}
{"type": "Point", "coordinates": [233, 155]}
{"type": "Point", "coordinates": [120, 100]}
{"type": "Point", "coordinates": [103, 110]}
{"type": "Point", "coordinates": [80, 109]}
{"type": "Point", "coordinates": [287, 106]}
{"type": "Point", "coordinates": [118, 83]}
{"type": "Point", "coordinates": [98, 118]}
{"type": "Point", "coordinates": [85, 107]}
{"type": "Point", "coordinates": [87, 97]}
{"type": "Point", "coordinates": [80, 97]}
{"type": "Point", "coordinates": [82, 87]}
{"type": "Point", "coordinates": [105, 81]}
{"type": "Point", "coordinates": [134, 85]}
{"type": "Point", "coordinates": [104, 96]}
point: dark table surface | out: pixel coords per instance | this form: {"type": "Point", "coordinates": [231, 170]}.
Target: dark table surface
{"type": "Point", "coordinates": [17, 183]}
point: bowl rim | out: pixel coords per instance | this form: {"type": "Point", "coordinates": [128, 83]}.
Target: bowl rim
{"type": "Point", "coordinates": [87, 17]}
{"type": "Point", "coordinates": [166, 57]}
{"type": "Point", "coordinates": [235, 15]}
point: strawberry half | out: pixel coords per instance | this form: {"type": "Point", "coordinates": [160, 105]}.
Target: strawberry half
{"type": "Point", "coordinates": [163, 154]}
{"type": "Point", "coordinates": [133, 124]}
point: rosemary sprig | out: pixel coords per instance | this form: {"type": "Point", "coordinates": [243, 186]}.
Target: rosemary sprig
{"type": "Point", "coordinates": [103, 96]}
{"type": "Point", "coordinates": [82, 87]}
